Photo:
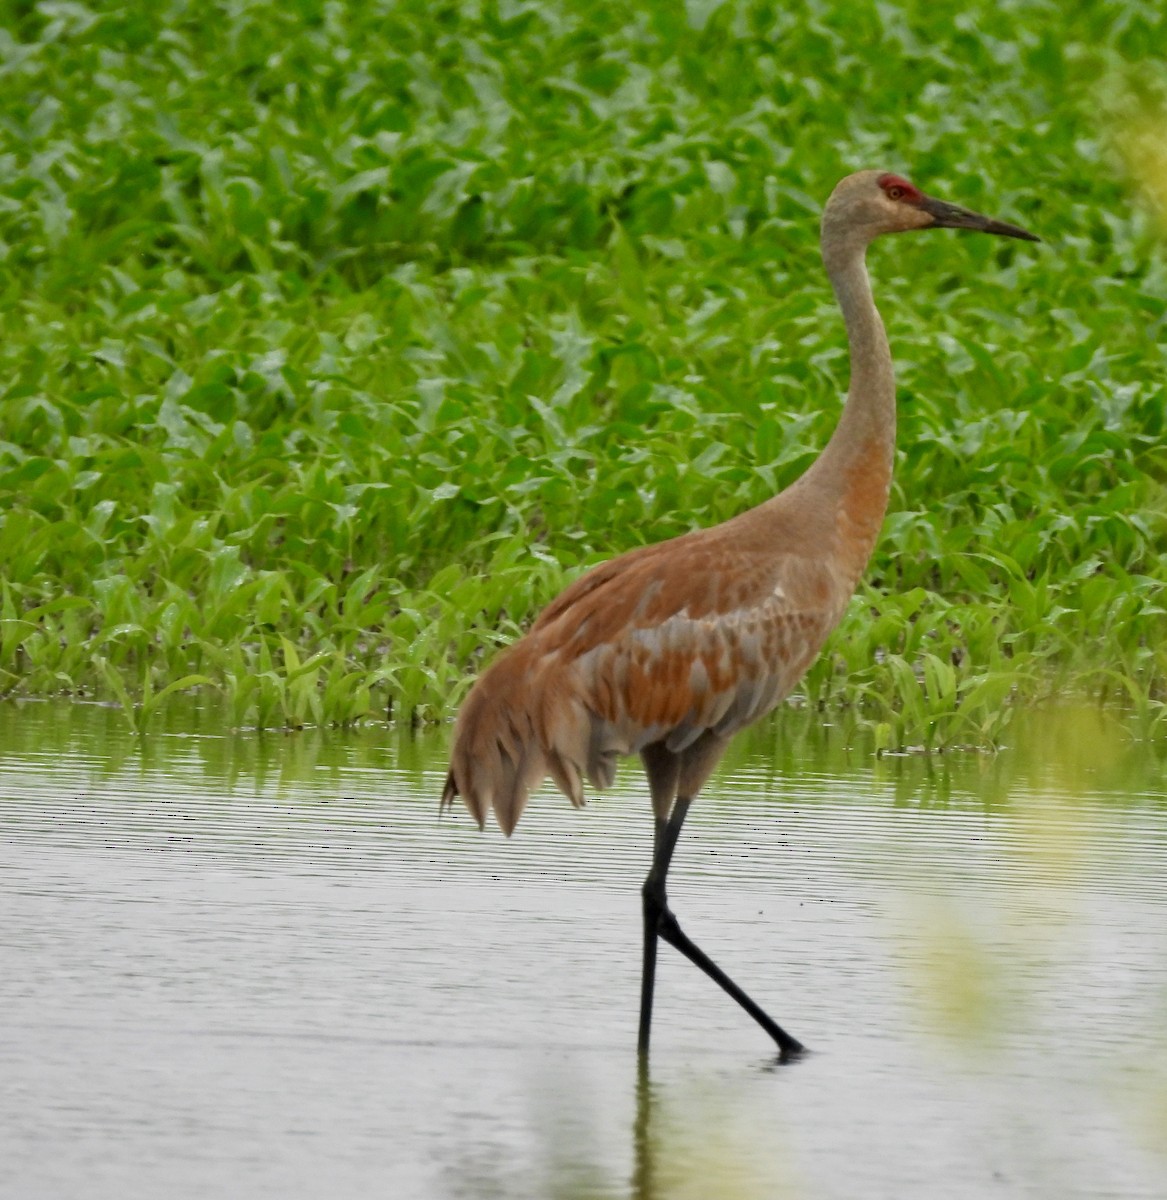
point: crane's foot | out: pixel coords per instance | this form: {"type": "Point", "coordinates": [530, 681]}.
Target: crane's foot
{"type": "Point", "coordinates": [660, 921]}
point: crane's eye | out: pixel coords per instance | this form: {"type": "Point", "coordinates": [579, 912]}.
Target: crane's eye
{"type": "Point", "coordinates": [895, 193]}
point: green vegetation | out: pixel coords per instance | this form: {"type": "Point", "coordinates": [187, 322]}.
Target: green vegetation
{"type": "Point", "coordinates": [337, 338]}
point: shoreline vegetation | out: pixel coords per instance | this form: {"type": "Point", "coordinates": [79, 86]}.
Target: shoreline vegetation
{"type": "Point", "coordinates": [336, 341]}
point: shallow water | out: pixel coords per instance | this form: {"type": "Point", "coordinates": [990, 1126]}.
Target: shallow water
{"type": "Point", "coordinates": [261, 965]}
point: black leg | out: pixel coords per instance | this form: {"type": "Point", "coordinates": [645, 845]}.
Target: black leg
{"type": "Point", "coordinates": [659, 921]}
{"type": "Point", "coordinates": [655, 901]}
{"type": "Point", "coordinates": [647, 979]}
{"type": "Point", "coordinates": [788, 1047]}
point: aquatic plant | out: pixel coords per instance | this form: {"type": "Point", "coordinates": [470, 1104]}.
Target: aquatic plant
{"type": "Point", "coordinates": [336, 340]}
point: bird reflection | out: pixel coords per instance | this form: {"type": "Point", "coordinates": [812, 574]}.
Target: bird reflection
{"type": "Point", "coordinates": [643, 1173]}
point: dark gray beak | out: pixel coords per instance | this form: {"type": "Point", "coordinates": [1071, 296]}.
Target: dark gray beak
{"type": "Point", "coordinates": [952, 216]}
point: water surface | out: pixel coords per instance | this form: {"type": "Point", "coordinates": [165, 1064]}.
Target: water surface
{"type": "Point", "coordinates": [261, 965]}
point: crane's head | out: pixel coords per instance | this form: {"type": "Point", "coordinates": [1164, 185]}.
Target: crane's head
{"type": "Point", "coordinates": [869, 203]}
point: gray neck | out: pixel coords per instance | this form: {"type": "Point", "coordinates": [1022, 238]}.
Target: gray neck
{"type": "Point", "coordinates": [864, 439]}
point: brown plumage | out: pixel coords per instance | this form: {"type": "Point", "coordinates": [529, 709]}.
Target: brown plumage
{"type": "Point", "coordinates": [698, 635]}
{"type": "Point", "coordinates": [670, 649]}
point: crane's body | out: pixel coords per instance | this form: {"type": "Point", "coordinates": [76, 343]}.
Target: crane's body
{"type": "Point", "coordinates": [670, 649]}
{"type": "Point", "coordinates": [669, 644]}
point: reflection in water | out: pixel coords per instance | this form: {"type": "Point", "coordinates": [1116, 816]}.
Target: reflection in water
{"type": "Point", "coordinates": [1065, 753]}
{"type": "Point", "coordinates": [690, 1142]}
{"type": "Point", "coordinates": [1075, 750]}
{"type": "Point", "coordinates": [261, 965]}
{"type": "Point", "coordinates": [643, 1173]}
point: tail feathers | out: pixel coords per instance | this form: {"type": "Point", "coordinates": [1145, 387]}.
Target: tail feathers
{"type": "Point", "coordinates": [511, 733]}
{"type": "Point", "coordinates": [448, 793]}
{"type": "Point", "coordinates": [568, 778]}
{"type": "Point", "coordinates": [492, 769]}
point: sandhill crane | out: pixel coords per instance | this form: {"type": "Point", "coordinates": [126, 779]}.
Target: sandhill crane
{"type": "Point", "coordinates": [670, 649]}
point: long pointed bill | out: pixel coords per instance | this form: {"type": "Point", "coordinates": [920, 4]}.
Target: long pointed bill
{"type": "Point", "coordinates": [952, 216]}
